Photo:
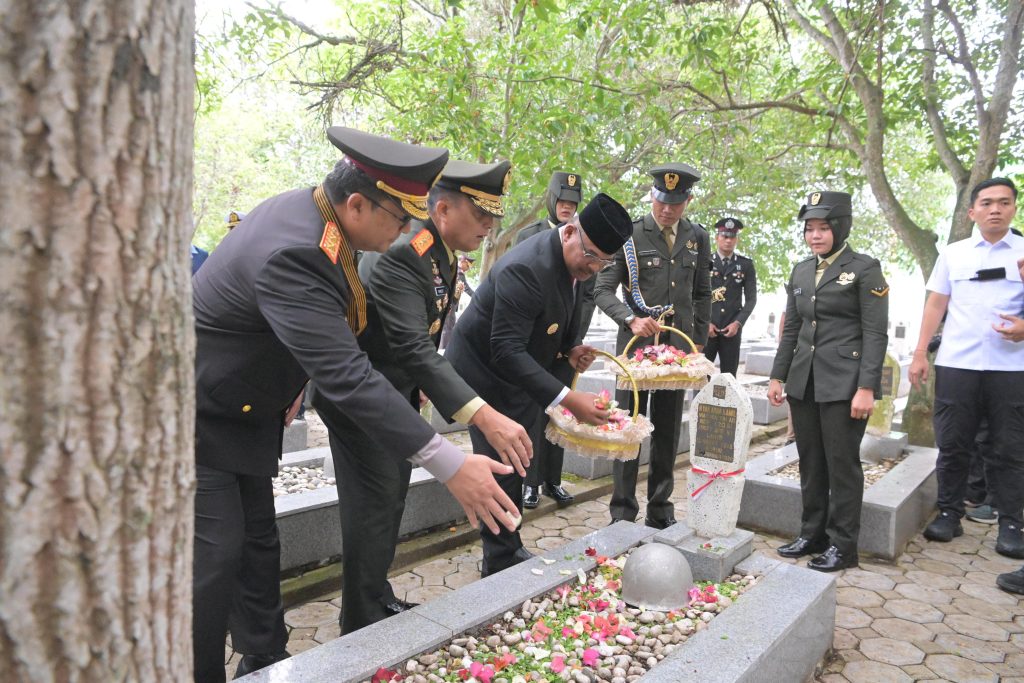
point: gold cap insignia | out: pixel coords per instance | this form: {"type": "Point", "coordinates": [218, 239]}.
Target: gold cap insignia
{"type": "Point", "coordinates": [572, 181]}
{"type": "Point", "coordinates": [552, 328]}
{"type": "Point", "coordinates": [505, 183]}
{"type": "Point", "coordinates": [434, 327]}
{"type": "Point", "coordinates": [815, 198]}
{"type": "Point", "coordinates": [671, 180]}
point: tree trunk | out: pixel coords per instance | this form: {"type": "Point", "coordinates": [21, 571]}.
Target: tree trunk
{"type": "Point", "coordinates": [96, 426]}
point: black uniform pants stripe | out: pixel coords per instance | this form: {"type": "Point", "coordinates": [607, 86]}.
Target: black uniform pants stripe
{"type": "Point", "coordinates": [831, 477]}
{"type": "Point", "coordinates": [665, 408]}
{"type": "Point", "coordinates": [371, 500]}
{"type": "Point", "coordinates": [236, 570]}
{"type": "Point", "coordinates": [729, 350]}
{"type": "Point", "coordinates": [962, 399]}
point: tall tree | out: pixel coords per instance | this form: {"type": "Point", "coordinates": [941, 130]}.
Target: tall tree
{"type": "Point", "coordinates": [96, 425]}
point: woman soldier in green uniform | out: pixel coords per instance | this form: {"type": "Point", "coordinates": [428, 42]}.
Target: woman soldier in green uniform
{"type": "Point", "coordinates": [830, 359]}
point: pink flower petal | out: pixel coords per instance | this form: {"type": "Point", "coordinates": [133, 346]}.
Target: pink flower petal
{"type": "Point", "coordinates": [590, 656]}
{"type": "Point", "coordinates": [557, 664]}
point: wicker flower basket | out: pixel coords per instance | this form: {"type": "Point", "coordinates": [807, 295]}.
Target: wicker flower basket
{"type": "Point", "coordinates": [691, 374]}
{"type": "Point", "coordinates": [599, 441]}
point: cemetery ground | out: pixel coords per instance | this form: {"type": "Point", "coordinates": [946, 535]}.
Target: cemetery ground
{"type": "Point", "coordinates": [935, 614]}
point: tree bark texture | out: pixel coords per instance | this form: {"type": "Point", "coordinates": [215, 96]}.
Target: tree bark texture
{"type": "Point", "coordinates": [96, 427]}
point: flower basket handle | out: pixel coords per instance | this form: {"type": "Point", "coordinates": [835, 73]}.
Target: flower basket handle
{"type": "Point", "coordinates": [636, 393]}
{"type": "Point", "coordinates": [664, 328]}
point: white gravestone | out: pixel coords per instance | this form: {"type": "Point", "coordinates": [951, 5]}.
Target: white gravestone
{"type": "Point", "coordinates": [723, 422]}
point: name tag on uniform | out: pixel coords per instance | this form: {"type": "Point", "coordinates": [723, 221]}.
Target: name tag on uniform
{"type": "Point", "coordinates": [798, 291]}
{"type": "Point", "coordinates": [440, 291]}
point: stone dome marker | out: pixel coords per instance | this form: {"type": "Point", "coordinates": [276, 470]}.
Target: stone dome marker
{"type": "Point", "coordinates": [658, 577]}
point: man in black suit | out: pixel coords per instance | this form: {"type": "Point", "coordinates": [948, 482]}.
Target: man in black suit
{"type": "Point", "coordinates": [280, 302]}
{"type": "Point", "coordinates": [562, 199]}
{"type": "Point", "coordinates": [523, 322]}
{"type": "Point", "coordinates": [409, 295]}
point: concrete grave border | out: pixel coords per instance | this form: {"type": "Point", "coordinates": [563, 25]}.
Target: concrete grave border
{"type": "Point", "coordinates": [895, 508]}
{"type": "Point", "coordinates": [779, 630]}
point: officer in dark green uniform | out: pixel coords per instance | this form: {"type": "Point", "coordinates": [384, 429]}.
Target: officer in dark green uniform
{"type": "Point", "coordinates": [664, 267]}
{"type": "Point", "coordinates": [562, 199]}
{"type": "Point", "coordinates": [280, 302]}
{"type": "Point", "coordinates": [830, 360]}
{"type": "Point", "coordinates": [409, 295]}
{"type": "Point", "coordinates": [733, 296]}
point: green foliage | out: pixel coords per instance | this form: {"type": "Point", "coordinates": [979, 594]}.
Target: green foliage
{"type": "Point", "coordinates": [607, 89]}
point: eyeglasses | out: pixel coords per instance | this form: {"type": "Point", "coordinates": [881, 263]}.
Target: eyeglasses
{"type": "Point", "coordinates": [605, 262]}
{"type": "Point", "coordinates": [402, 220]}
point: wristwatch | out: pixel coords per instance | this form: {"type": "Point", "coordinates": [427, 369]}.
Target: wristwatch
{"type": "Point", "coordinates": [629, 319]}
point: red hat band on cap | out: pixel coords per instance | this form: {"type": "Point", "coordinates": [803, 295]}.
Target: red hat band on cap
{"type": "Point", "coordinates": [397, 182]}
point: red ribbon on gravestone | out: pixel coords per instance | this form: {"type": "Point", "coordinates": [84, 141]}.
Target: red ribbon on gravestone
{"type": "Point", "coordinates": [712, 476]}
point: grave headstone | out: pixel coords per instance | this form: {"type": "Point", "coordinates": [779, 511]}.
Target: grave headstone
{"type": "Point", "coordinates": [721, 426]}
{"type": "Point", "coordinates": [880, 422]}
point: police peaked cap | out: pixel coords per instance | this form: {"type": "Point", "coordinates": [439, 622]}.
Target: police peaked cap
{"type": "Point", "coordinates": [403, 171]}
{"type": "Point", "coordinates": [484, 184]}
{"type": "Point", "coordinates": [729, 226]}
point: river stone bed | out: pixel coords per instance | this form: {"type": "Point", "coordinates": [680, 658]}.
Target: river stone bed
{"type": "Point", "coordinates": [523, 646]}
{"type": "Point", "coordinates": [299, 479]}
{"type": "Point", "coordinates": [872, 473]}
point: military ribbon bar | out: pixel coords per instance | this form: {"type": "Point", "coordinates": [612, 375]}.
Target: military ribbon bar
{"type": "Point", "coordinates": [712, 476]}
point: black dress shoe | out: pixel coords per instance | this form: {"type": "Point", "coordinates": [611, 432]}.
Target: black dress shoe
{"type": "Point", "coordinates": [531, 497]}
{"type": "Point", "coordinates": [659, 523]}
{"type": "Point", "coordinates": [397, 606]}
{"type": "Point", "coordinates": [1012, 582]}
{"type": "Point", "coordinates": [520, 555]}
{"type": "Point", "coordinates": [561, 496]}
{"type": "Point", "coordinates": [832, 560]}
{"type": "Point", "coordinates": [249, 663]}
{"type": "Point", "coordinates": [802, 546]}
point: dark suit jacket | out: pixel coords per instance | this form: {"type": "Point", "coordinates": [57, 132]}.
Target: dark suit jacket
{"type": "Point", "coordinates": [586, 288]}
{"type": "Point", "coordinates": [838, 328]}
{"type": "Point", "coordinates": [523, 317]}
{"type": "Point", "coordinates": [681, 278]}
{"type": "Point", "coordinates": [408, 306]}
{"type": "Point", "coordinates": [270, 312]}
{"type": "Point", "coordinates": [733, 290]}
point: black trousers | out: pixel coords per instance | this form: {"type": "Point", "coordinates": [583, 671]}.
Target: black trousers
{"type": "Point", "coordinates": [726, 347]}
{"type": "Point", "coordinates": [236, 571]}
{"type": "Point", "coordinates": [499, 548]}
{"type": "Point", "coordinates": [665, 408]}
{"type": "Point", "coordinates": [371, 500]}
{"type": "Point", "coordinates": [546, 465]}
{"type": "Point", "coordinates": [962, 399]}
{"type": "Point", "coordinates": [831, 478]}
{"type": "Point", "coordinates": [978, 474]}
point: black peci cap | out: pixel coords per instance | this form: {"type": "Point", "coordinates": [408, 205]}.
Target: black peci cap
{"type": "Point", "coordinates": [672, 182]}
{"type": "Point", "coordinates": [826, 205]}
{"type": "Point", "coordinates": [606, 223]}
{"type": "Point", "coordinates": [404, 171]}
{"type": "Point", "coordinates": [483, 183]}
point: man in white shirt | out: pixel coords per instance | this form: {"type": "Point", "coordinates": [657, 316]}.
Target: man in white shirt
{"type": "Point", "coordinates": [979, 369]}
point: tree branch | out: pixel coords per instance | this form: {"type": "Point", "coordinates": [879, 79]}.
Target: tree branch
{"type": "Point", "coordinates": [946, 153]}
{"type": "Point", "coordinates": [964, 56]}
